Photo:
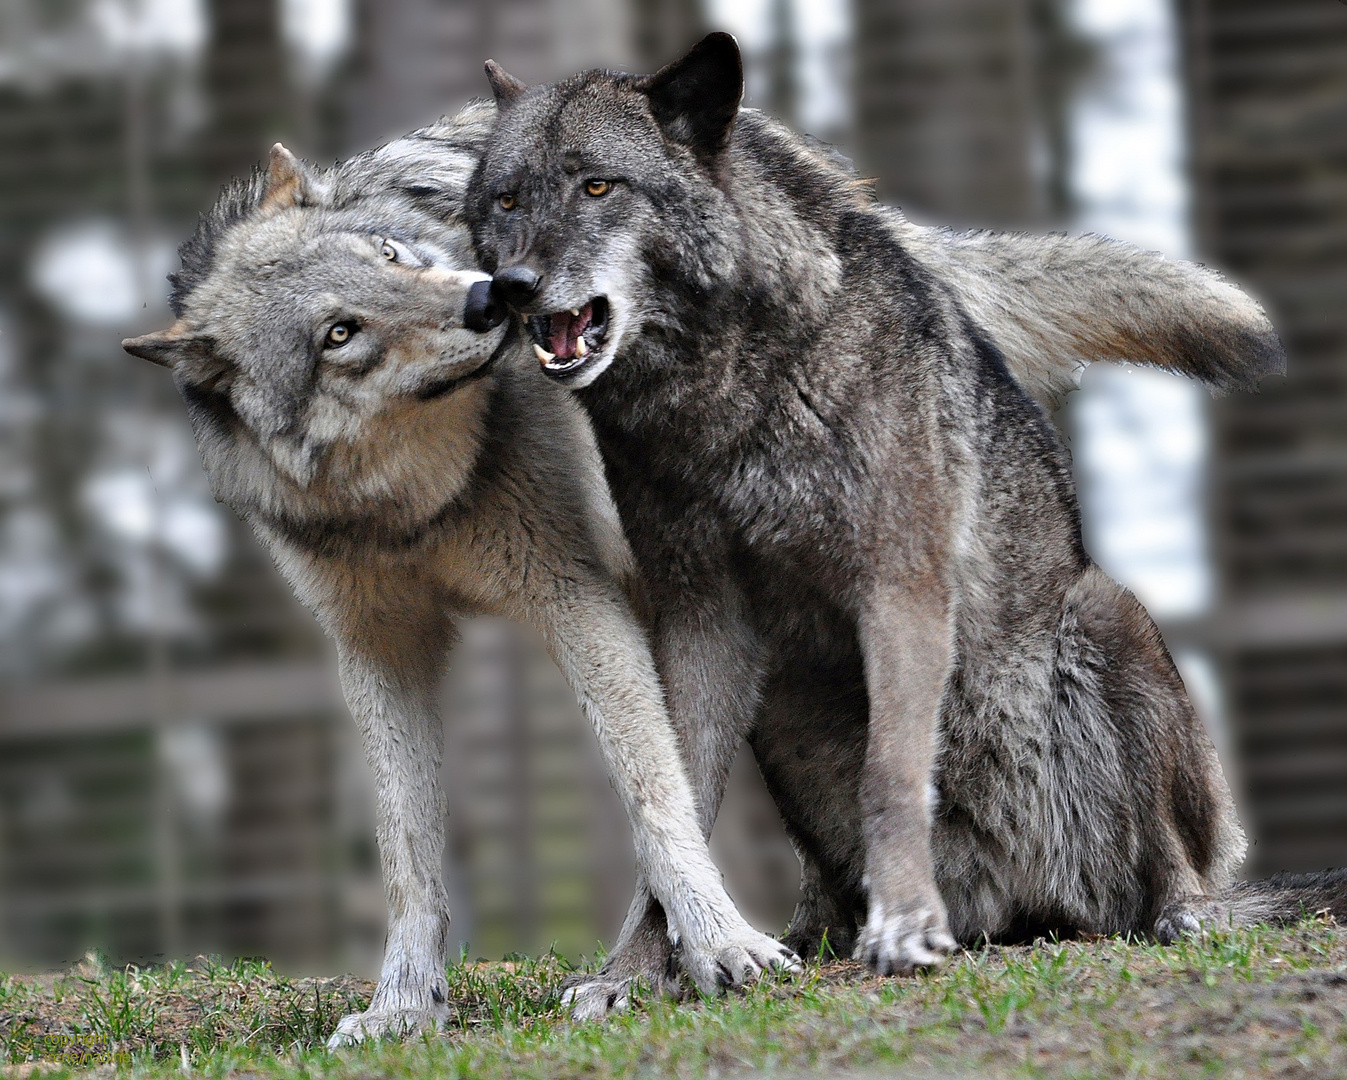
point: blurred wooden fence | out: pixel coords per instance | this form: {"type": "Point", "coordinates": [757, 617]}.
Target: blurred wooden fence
{"type": "Point", "coordinates": [200, 788]}
{"type": "Point", "coordinates": [1268, 108]}
{"type": "Point", "coordinates": [230, 810]}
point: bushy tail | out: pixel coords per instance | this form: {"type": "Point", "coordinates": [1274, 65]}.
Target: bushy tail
{"type": "Point", "coordinates": [1054, 304]}
{"type": "Point", "coordinates": [1278, 900]}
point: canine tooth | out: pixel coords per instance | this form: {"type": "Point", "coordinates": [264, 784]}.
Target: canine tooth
{"type": "Point", "coordinates": [581, 349]}
{"type": "Point", "coordinates": [543, 355]}
{"type": "Point", "coordinates": [575, 311]}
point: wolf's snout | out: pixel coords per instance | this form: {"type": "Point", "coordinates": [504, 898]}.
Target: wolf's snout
{"type": "Point", "coordinates": [484, 310]}
{"type": "Point", "coordinates": [517, 285]}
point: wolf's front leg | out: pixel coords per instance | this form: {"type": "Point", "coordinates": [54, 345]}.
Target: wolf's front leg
{"type": "Point", "coordinates": [390, 671]}
{"type": "Point", "coordinates": [906, 641]}
{"type": "Point", "coordinates": [601, 648]}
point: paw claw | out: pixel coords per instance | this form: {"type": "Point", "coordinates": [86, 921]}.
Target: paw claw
{"type": "Point", "coordinates": [745, 956]}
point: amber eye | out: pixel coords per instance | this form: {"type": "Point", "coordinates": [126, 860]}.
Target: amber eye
{"type": "Point", "coordinates": [597, 188]}
{"type": "Point", "coordinates": [338, 334]}
{"type": "Point", "coordinates": [389, 252]}
{"type": "Point", "coordinates": [507, 202]}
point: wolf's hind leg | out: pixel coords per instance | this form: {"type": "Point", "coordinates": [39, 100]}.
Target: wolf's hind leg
{"type": "Point", "coordinates": [642, 959]}
{"type": "Point", "coordinates": [1279, 900]}
{"type": "Point", "coordinates": [809, 742]}
{"type": "Point", "coordinates": [822, 927]}
{"type": "Point", "coordinates": [391, 663]}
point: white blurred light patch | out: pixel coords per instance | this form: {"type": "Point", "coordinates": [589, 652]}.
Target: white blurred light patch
{"type": "Point", "coordinates": [177, 27]}
{"type": "Point", "coordinates": [1140, 455]}
{"type": "Point", "coordinates": [318, 32]}
{"type": "Point", "coordinates": [32, 574]}
{"type": "Point", "coordinates": [129, 506]}
{"type": "Point", "coordinates": [195, 757]}
{"type": "Point", "coordinates": [821, 29]}
{"type": "Point", "coordinates": [1139, 434]}
{"type": "Point", "coordinates": [93, 273]}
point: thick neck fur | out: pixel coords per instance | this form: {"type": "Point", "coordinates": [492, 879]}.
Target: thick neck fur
{"type": "Point", "coordinates": [384, 486]}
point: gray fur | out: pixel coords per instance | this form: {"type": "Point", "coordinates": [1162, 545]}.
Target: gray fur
{"type": "Point", "coordinates": [404, 470]}
{"type": "Point", "coordinates": [1095, 298]}
{"type": "Point", "coordinates": [859, 533]}
{"type": "Point", "coordinates": [1278, 900]}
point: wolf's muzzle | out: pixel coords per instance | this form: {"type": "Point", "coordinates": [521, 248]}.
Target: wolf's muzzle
{"type": "Point", "coordinates": [484, 311]}
{"type": "Point", "coordinates": [517, 285]}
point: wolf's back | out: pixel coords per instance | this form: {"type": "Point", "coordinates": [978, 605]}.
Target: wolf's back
{"type": "Point", "coordinates": [1054, 304]}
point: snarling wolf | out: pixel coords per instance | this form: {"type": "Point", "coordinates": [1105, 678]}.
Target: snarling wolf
{"type": "Point", "coordinates": [857, 526]}
{"type": "Point", "coordinates": [355, 398]}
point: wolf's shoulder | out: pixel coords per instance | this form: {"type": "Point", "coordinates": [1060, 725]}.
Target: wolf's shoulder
{"type": "Point", "coordinates": [810, 172]}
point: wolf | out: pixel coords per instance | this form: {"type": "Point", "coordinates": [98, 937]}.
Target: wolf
{"type": "Point", "coordinates": [824, 430]}
{"type": "Point", "coordinates": [356, 398]}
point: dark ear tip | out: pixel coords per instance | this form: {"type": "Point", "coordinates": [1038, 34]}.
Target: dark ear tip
{"type": "Point", "coordinates": [721, 43]}
{"type": "Point", "coordinates": [720, 39]}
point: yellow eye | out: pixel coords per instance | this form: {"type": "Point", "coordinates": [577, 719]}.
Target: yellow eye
{"type": "Point", "coordinates": [597, 188]}
{"type": "Point", "coordinates": [507, 202]}
{"type": "Point", "coordinates": [389, 252]}
{"type": "Point", "coordinates": [339, 334]}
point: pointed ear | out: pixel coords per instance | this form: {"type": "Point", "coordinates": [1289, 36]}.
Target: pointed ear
{"type": "Point", "coordinates": [696, 99]}
{"type": "Point", "coordinates": [189, 353]}
{"type": "Point", "coordinates": [504, 86]}
{"type": "Point", "coordinates": [288, 182]}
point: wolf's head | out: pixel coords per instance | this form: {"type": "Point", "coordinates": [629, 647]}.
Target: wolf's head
{"type": "Point", "coordinates": [325, 345]}
{"type": "Point", "coordinates": [591, 187]}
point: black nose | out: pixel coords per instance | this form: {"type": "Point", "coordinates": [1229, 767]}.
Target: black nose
{"type": "Point", "coordinates": [517, 285]}
{"type": "Point", "coordinates": [483, 311]}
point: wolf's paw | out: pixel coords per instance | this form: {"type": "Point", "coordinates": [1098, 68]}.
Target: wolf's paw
{"type": "Point", "coordinates": [905, 943]}
{"type": "Point", "coordinates": [737, 960]}
{"type": "Point", "coordinates": [1190, 917]}
{"type": "Point", "coordinates": [1174, 925]}
{"type": "Point", "coordinates": [381, 1023]}
{"type": "Point", "coordinates": [595, 996]}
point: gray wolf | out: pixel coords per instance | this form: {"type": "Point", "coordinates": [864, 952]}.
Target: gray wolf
{"type": "Point", "coordinates": [856, 525]}
{"type": "Point", "coordinates": [355, 398]}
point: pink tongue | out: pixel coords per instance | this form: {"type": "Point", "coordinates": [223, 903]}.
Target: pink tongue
{"type": "Point", "coordinates": [566, 330]}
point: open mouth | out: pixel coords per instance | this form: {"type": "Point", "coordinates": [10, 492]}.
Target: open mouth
{"type": "Point", "coordinates": [564, 340]}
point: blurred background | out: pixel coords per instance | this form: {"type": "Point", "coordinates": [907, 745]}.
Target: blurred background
{"type": "Point", "coordinates": [177, 771]}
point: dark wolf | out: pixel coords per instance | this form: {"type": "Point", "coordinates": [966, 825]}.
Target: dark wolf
{"type": "Point", "coordinates": [355, 398]}
{"type": "Point", "coordinates": [857, 527]}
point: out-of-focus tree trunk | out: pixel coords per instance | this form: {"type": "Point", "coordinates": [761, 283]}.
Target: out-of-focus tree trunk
{"type": "Point", "coordinates": [247, 85]}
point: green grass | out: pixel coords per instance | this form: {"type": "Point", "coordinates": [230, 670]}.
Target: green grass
{"type": "Point", "coordinates": [1244, 1004]}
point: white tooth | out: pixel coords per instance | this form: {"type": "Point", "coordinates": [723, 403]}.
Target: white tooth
{"type": "Point", "coordinates": [581, 349]}
{"type": "Point", "coordinates": [543, 355]}
{"type": "Point", "coordinates": [575, 311]}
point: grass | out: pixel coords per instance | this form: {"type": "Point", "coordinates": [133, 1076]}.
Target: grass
{"type": "Point", "coordinates": [1253, 1003]}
